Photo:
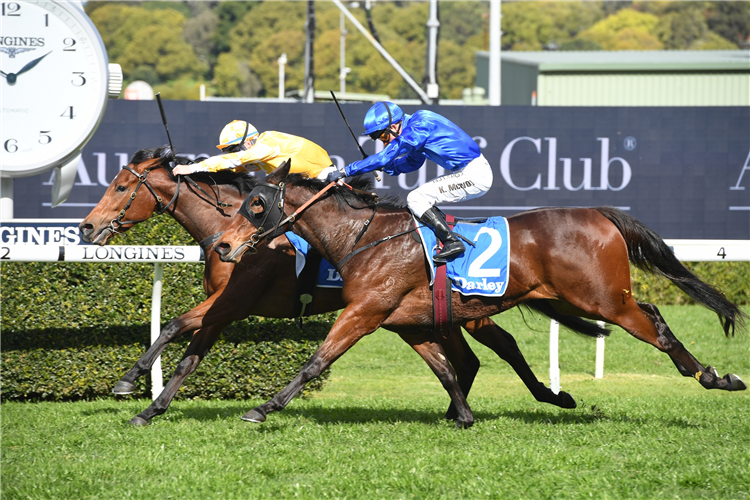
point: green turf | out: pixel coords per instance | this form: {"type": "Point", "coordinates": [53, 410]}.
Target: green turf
{"type": "Point", "coordinates": [376, 431]}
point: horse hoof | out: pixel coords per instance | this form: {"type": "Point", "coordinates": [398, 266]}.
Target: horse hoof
{"type": "Point", "coordinates": [138, 421]}
{"type": "Point", "coordinates": [566, 401]}
{"type": "Point", "coordinates": [735, 382]}
{"type": "Point", "coordinates": [123, 388]}
{"type": "Point", "coordinates": [464, 424]}
{"type": "Point", "coordinates": [254, 416]}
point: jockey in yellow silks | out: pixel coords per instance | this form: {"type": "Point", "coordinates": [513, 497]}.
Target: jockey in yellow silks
{"type": "Point", "coordinates": [247, 150]}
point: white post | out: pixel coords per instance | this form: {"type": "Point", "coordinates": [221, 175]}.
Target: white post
{"type": "Point", "coordinates": [6, 198]}
{"type": "Point", "coordinates": [282, 63]}
{"type": "Point", "coordinates": [495, 34]}
{"type": "Point", "coordinates": [599, 371]}
{"type": "Point", "coordinates": [157, 383]}
{"type": "Point", "coordinates": [554, 363]}
{"type": "Point", "coordinates": [342, 55]}
{"type": "Point", "coordinates": [408, 79]}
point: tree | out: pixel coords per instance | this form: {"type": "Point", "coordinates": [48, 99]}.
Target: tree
{"type": "Point", "coordinates": [628, 29]}
{"type": "Point", "coordinates": [136, 37]}
{"type": "Point", "coordinates": [730, 20]}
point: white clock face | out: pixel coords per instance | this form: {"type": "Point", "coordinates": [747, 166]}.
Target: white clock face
{"type": "Point", "coordinates": [53, 87]}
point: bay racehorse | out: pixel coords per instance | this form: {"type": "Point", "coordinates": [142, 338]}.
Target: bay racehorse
{"type": "Point", "coordinates": [265, 284]}
{"type": "Point", "coordinates": [575, 259]}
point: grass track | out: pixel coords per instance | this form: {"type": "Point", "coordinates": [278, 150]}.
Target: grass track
{"type": "Point", "coordinates": [376, 431]}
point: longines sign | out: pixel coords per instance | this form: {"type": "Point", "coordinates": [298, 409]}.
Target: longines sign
{"type": "Point", "coordinates": [685, 172]}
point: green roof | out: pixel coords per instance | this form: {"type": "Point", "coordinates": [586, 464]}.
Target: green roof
{"type": "Point", "coordinates": [630, 61]}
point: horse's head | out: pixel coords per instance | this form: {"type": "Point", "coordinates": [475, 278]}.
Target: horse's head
{"type": "Point", "coordinates": [262, 213]}
{"type": "Point", "coordinates": [132, 196]}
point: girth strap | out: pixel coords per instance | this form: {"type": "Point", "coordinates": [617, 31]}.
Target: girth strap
{"type": "Point", "coordinates": [442, 303]}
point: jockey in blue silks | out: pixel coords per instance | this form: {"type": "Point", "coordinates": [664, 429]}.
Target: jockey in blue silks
{"type": "Point", "coordinates": [410, 140]}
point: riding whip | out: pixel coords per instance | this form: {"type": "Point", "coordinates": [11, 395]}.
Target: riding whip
{"type": "Point", "coordinates": [164, 120]}
{"type": "Point", "coordinates": [350, 130]}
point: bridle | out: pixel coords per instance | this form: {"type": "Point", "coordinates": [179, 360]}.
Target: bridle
{"type": "Point", "coordinates": [117, 223]}
{"type": "Point", "coordinates": [280, 226]}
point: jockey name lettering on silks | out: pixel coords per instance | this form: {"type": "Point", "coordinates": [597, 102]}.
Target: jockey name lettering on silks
{"type": "Point", "coordinates": [328, 277]}
{"type": "Point", "coordinates": [480, 270]}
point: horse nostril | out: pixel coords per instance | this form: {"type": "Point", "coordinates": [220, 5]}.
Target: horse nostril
{"type": "Point", "coordinates": [223, 248]}
{"type": "Point", "coordinates": [86, 228]}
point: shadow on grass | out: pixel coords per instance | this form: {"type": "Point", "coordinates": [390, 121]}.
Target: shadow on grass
{"type": "Point", "coordinates": [229, 410]}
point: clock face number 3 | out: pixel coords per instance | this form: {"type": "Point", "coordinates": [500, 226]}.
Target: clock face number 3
{"type": "Point", "coordinates": [54, 79]}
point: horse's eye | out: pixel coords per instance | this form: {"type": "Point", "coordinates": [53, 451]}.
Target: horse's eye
{"type": "Point", "coordinates": [120, 189]}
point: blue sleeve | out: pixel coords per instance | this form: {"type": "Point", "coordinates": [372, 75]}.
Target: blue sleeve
{"type": "Point", "coordinates": [400, 156]}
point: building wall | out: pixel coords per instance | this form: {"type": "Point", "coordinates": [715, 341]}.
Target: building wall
{"type": "Point", "coordinates": [643, 89]}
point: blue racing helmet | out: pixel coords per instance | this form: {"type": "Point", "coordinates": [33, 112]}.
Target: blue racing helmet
{"type": "Point", "coordinates": [380, 117]}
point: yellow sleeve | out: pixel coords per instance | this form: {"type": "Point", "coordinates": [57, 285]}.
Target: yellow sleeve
{"type": "Point", "coordinates": [251, 160]}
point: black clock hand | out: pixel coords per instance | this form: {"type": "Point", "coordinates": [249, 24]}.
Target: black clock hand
{"type": "Point", "coordinates": [33, 63]}
{"type": "Point", "coordinates": [11, 77]}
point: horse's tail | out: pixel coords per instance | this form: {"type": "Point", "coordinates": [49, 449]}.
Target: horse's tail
{"type": "Point", "coordinates": [578, 325]}
{"type": "Point", "coordinates": [647, 251]}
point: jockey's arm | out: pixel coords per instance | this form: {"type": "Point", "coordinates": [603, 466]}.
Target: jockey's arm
{"type": "Point", "coordinates": [242, 161]}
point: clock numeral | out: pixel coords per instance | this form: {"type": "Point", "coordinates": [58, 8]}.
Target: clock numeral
{"type": "Point", "coordinates": [11, 9]}
{"type": "Point", "coordinates": [68, 113]}
{"type": "Point", "coordinates": [69, 43]}
{"type": "Point", "coordinates": [44, 137]}
{"type": "Point", "coordinates": [11, 145]}
{"type": "Point", "coordinates": [46, 20]}
{"type": "Point", "coordinates": [79, 80]}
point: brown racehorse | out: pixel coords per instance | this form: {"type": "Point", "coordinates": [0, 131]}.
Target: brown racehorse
{"type": "Point", "coordinates": [263, 284]}
{"type": "Point", "coordinates": [577, 259]}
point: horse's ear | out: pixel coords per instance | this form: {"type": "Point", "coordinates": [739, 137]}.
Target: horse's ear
{"type": "Point", "coordinates": [280, 173]}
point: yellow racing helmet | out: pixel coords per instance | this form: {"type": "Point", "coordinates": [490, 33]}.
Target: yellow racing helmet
{"type": "Point", "coordinates": [236, 133]}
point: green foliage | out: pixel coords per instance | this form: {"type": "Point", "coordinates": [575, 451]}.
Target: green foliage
{"type": "Point", "coordinates": [71, 330]}
{"type": "Point", "coordinates": [138, 36]}
{"type": "Point", "coordinates": [731, 278]}
{"type": "Point", "coordinates": [235, 45]}
{"type": "Point", "coordinates": [628, 29]}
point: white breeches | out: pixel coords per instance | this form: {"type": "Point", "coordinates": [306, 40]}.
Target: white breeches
{"type": "Point", "coordinates": [472, 181]}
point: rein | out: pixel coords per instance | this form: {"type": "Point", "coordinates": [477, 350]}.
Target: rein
{"type": "Point", "coordinates": [281, 190]}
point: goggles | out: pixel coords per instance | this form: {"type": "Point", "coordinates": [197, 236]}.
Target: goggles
{"type": "Point", "coordinates": [234, 148]}
{"type": "Point", "coordinates": [383, 135]}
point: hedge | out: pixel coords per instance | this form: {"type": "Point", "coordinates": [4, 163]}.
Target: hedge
{"type": "Point", "coordinates": [70, 331]}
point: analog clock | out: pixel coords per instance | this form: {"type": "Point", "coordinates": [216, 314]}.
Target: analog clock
{"type": "Point", "coordinates": [54, 86]}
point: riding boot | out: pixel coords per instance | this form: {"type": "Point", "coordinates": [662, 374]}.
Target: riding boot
{"type": "Point", "coordinates": [452, 246]}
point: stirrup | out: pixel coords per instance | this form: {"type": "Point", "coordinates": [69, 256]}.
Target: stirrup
{"type": "Point", "coordinates": [449, 250]}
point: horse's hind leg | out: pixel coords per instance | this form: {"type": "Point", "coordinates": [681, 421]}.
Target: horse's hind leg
{"type": "Point", "coordinates": [660, 336]}
{"type": "Point", "coordinates": [504, 345]}
{"type": "Point", "coordinates": [200, 344]}
{"type": "Point", "coordinates": [465, 363]}
{"type": "Point", "coordinates": [463, 360]}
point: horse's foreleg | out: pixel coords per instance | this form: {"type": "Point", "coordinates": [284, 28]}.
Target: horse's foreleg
{"type": "Point", "coordinates": [651, 327]}
{"type": "Point", "coordinates": [434, 355]}
{"type": "Point", "coordinates": [200, 344]}
{"type": "Point", "coordinates": [191, 320]}
{"type": "Point", "coordinates": [504, 345]}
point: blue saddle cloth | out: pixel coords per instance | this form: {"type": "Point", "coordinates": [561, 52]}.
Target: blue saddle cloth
{"type": "Point", "coordinates": [328, 277]}
{"type": "Point", "coordinates": [480, 270]}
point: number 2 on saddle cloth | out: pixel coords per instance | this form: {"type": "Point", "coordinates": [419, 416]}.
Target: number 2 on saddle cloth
{"type": "Point", "coordinates": [481, 270]}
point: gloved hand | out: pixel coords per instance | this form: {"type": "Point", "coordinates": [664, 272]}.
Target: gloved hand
{"type": "Point", "coordinates": [335, 175]}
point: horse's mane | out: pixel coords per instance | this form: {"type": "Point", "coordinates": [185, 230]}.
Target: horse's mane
{"type": "Point", "coordinates": [344, 194]}
{"type": "Point", "coordinates": [239, 180]}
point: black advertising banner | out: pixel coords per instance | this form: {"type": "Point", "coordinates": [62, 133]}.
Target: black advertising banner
{"type": "Point", "coordinates": [685, 172]}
